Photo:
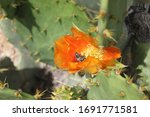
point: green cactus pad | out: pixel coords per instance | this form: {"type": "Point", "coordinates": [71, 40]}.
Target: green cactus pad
{"type": "Point", "coordinates": [113, 87]}
{"type": "Point", "coordinates": [111, 17]}
{"type": "Point", "coordinates": [9, 94]}
{"type": "Point", "coordinates": [68, 93]}
{"type": "Point", "coordinates": [18, 54]}
{"type": "Point", "coordinates": [40, 25]}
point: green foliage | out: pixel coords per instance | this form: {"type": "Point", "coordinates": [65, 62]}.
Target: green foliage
{"type": "Point", "coordinates": [114, 87]}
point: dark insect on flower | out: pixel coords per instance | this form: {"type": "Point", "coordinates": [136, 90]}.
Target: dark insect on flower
{"type": "Point", "coordinates": [79, 57]}
{"type": "Point", "coordinates": [138, 23]}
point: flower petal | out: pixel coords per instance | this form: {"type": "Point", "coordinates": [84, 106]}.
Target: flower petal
{"type": "Point", "coordinates": [111, 53]}
{"type": "Point", "coordinates": [96, 57]}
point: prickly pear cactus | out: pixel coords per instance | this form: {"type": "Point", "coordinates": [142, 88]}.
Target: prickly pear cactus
{"type": "Point", "coordinates": [114, 87]}
{"type": "Point", "coordinates": [10, 94]}
{"type": "Point", "coordinates": [28, 30]}
{"type": "Point", "coordinates": [18, 54]}
{"type": "Point", "coordinates": [40, 25]}
{"type": "Point", "coordinates": [110, 21]}
{"type": "Point", "coordinates": [69, 93]}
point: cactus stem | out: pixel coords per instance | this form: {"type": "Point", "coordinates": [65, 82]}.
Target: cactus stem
{"type": "Point", "coordinates": [108, 18]}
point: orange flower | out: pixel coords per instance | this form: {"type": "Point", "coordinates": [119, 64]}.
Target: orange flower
{"type": "Point", "coordinates": [80, 52]}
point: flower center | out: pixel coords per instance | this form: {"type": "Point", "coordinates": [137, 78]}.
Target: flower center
{"type": "Point", "coordinates": [93, 52]}
{"type": "Point", "coordinates": [79, 57]}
